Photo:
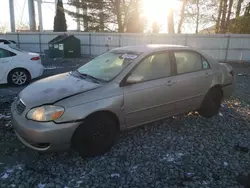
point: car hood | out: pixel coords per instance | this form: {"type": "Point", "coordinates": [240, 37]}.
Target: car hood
{"type": "Point", "coordinates": [54, 88]}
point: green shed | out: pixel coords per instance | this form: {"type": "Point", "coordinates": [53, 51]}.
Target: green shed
{"type": "Point", "coordinates": [69, 46]}
{"type": "Point", "coordinates": [64, 46]}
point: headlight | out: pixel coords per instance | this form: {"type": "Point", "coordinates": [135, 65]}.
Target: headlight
{"type": "Point", "coordinates": [45, 113]}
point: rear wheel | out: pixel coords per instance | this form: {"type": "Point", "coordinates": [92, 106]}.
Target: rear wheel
{"type": "Point", "coordinates": [18, 77]}
{"type": "Point", "coordinates": [211, 103]}
{"type": "Point", "coordinates": [95, 136]}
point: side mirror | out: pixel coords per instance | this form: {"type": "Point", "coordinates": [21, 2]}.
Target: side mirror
{"type": "Point", "coordinates": [133, 79]}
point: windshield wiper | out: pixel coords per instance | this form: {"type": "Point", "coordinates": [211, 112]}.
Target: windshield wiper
{"type": "Point", "coordinates": [94, 79]}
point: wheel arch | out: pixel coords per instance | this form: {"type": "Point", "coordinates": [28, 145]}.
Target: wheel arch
{"type": "Point", "coordinates": [108, 113]}
{"type": "Point", "coordinates": [217, 86]}
{"type": "Point", "coordinates": [18, 68]}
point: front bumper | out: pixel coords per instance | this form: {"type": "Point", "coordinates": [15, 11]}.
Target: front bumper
{"type": "Point", "coordinates": [47, 136]}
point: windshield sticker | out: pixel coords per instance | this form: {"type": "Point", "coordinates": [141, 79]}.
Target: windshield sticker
{"type": "Point", "coordinates": [129, 56]}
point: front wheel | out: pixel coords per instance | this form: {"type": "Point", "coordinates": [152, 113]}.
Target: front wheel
{"type": "Point", "coordinates": [18, 77]}
{"type": "Point", "coordinates": [95, 136]}
{"type": "Point", "coordinates": [211, 103]}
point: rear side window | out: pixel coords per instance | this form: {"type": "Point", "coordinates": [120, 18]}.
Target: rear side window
{"type": "Point", "coordinates": [205, 64]}
{"type": "Point", "coordinates": [188, 61]}
{"type": "Point", "coordinates": [4, 41]}
{"type": "Point", "coordinates": [5, 53]}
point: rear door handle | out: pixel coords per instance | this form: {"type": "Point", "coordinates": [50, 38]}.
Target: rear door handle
{"type": "Point", "coordinates": [4, 61]}
{"type": "Point", "coordinates": [206, 74]}
{"type": "Point", "coordinates": [170, 83]}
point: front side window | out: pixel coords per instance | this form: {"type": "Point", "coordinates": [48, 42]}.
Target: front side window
{"type": "Point", "coordinates": [107, 66]}
{"type": "Point", "coordinates": [188, 62]}
{"type": "Point", "coordinates": [5, 53]}
{"type": "Point", "coordinates": [153, 67]}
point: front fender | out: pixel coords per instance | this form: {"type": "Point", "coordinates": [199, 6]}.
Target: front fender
{"type": "Point", "coordinates": [112, 104]}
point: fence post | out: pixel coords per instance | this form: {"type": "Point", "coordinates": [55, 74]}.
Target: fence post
{"type": "Point", "coordinates": [90, 45]}
{"type": "Point", "coordinates": [119, 39]}
{"type": "Point", "coordinates": [18, 39]}
{"type": "Point", "coordinates": [40, 45]}
{"type": "Point", "coordinates": [186, 37]}
{"type": "Point", "coordinates": [228, 42]}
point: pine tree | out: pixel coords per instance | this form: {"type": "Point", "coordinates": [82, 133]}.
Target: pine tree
{"type": "Point", "coordinates": [108, 15]}
{"type": "Point", "coordinates": [59, 20]}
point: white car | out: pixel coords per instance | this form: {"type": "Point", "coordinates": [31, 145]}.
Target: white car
{"type": "Point", "coordinates": [8, 42]}
{"type": "Point", "coordinates": [18, 67]}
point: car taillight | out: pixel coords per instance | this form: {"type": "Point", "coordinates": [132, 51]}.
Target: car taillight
{"type": "Point", "coordinates": [35, 58]}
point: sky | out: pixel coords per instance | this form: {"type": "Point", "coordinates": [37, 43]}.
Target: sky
{"type": "Point", "coordinates": [153, 9]}
{"type": "Point", "coordinates": [22, 15]}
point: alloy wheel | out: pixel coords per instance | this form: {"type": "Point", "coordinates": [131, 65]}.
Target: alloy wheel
{"type": "Point", "coordinates": [19, 77]}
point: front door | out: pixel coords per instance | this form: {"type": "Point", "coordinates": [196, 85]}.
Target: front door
{"type": "Point", "coordinates": [150, 98]}
{"type": "Point", "coordinates": [5, 60]}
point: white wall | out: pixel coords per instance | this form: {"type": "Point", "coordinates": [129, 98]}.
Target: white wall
{"type": "Point", "coordinates": [228, 47]}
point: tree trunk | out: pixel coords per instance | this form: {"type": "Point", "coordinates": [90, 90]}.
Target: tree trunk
{"type": "Point", "coordinates": [85, 14]}
{"type": "Point", "coordinates": [182, 15]}
{"type": "Point", "coordinates": [217, 27]}
{"type": "Point", "coordinates": [171, 21]}
{"type": "Point", "coordinates": [101, 16]}
{"type": "Point", "coordinates": [247, 11]}
{"type": "Point", "coordinates": [119, 16]}
{"type": "Point", "coordinates": [197, 16]}
{"type": "Point", "coordinates": [238, 8]}
{"type": "Point", "coordinates": [229, 13]}
{"type": "Point", "coordinates": [223, 18]}
{"type": "Point", "coordinates": [155, 27]}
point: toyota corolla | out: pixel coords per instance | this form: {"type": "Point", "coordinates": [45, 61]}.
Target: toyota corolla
{"type": "Point", "coordinates": [126, 87]}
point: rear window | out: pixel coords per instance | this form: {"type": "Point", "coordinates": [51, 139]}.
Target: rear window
{"type": "Point", "coordinates": [16, 48]}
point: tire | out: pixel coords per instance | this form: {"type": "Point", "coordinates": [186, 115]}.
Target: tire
{"type": "Point", "coordinates": [95, 136]}
{"type": "Point", "coordinates": [211, 103]}
{"type": "Point", "coordinates": [18, 77]}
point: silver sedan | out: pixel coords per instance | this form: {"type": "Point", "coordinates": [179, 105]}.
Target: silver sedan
{"type": "Point", "coordinates": [123, 88]}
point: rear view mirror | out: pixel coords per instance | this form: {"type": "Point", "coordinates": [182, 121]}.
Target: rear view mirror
{"type": "Point", "coordinates": [133, 79]}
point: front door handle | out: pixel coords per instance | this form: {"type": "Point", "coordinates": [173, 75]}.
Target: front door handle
{"type": "Point", "coordinates": [206, 74]}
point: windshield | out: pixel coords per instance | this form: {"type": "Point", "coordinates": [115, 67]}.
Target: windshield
{"type": "Point", "coordinates": [109, 65]}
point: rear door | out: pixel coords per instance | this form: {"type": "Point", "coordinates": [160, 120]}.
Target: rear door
{"type": "Point", "coordinates": [5, 63]}
{"type": "Point", "coordinates": [193, 78]}
{"type": "Point", "coordinates": [151, 97]}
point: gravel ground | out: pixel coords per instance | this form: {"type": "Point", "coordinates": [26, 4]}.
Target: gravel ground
{"type": "Point", "coordinates": [182, 151]}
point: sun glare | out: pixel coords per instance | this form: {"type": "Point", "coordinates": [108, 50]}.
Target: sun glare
{"type": "Point", "coordinates": [157, 10]}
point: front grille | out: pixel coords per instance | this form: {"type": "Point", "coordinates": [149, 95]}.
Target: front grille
{"type": "Point", "coordinates": [20, 106]}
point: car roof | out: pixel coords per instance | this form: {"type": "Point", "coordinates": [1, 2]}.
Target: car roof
{"type": "Point", "coordinates": [7, 47]}
{"type": "Point", "coordinates": [4, 45]}
{"type": "Point", "coordinates": [151, 47]}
